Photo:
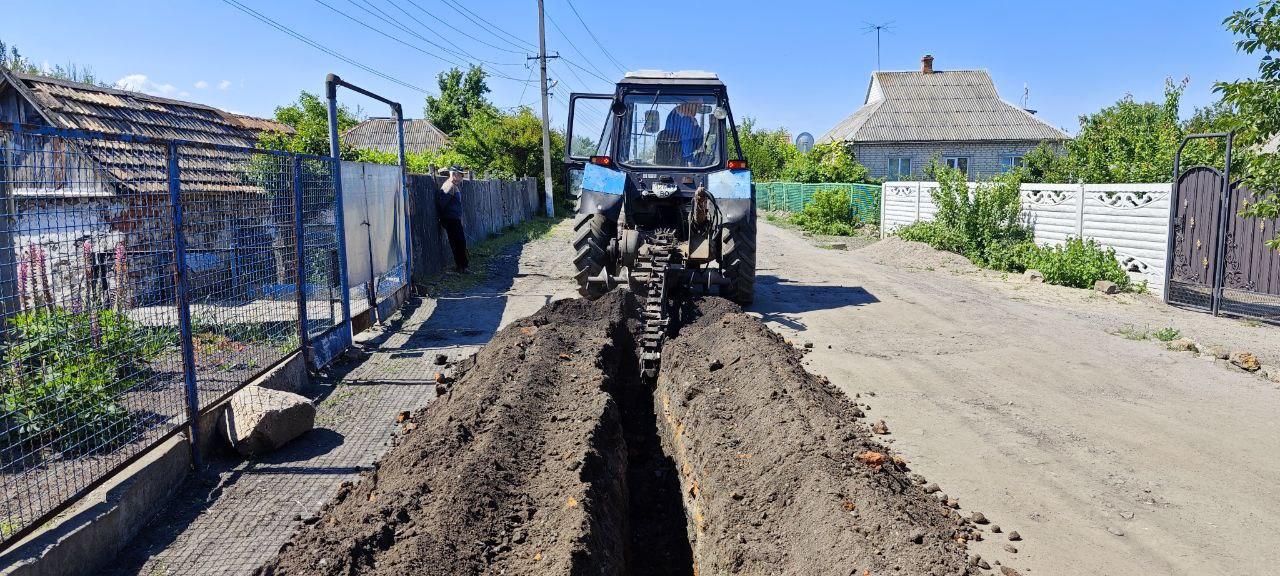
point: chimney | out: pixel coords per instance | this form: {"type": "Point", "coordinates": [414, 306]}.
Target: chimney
{"type": "Point", "coordinates": [926, 64]}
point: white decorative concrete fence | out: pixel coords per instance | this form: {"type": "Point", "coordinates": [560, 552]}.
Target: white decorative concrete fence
{"type": "Point", "coordinates": [1131, 218]}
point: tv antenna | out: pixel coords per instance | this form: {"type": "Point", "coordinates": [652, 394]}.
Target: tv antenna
{"type": "Point", "coordinates": [1026, 95]}
{"type": "Point", "coordinates": [877, 28]}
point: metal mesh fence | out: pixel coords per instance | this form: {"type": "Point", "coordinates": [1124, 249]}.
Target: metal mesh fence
{"type": "Point", "coordinates": [792, 197]}
{"type": "Point", "coordinates": [92, 305]}
{"type": "Point", "coordinates": [91, 375]}
{"type": "Point", "coordinates": [322, 286]}
{"type": "Point", "coordinates": [241, 258]}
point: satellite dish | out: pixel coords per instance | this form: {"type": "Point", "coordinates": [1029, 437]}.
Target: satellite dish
{"type": "Point", "coordinates": [804, 142]}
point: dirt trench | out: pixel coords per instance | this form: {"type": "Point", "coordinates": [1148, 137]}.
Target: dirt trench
{"type": "Point", "coordinates": [550, 456]}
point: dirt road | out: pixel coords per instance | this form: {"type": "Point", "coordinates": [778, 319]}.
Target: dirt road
{"type": "Point", "coordinates": [1108, 455]}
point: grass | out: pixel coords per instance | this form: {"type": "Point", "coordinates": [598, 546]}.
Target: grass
{"type": "Point", "coordinates": [1131, 332]}
{"type": "Point", "coordinates": [1167, 334]}
{"type": "Point", "coordinates": [481, 255]}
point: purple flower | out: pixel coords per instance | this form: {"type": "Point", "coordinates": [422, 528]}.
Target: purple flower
{"type": "Point", "coordinates": [122, 276]}
{"type": "Point", "coordinates": [24, 271]}
{"type": "Point", "coordinates": [41, 270]}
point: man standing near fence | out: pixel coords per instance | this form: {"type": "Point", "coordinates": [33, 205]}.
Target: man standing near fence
{"type": "Point", "coordinates": [449, 207]}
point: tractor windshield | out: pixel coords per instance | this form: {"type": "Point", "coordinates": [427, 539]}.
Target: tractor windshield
{"type": "Point", "coordinates": [672, 131]}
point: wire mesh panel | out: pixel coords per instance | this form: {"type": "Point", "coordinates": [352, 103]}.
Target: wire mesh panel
{"type": "Point", "coordinates": [90, 372]}
{"type": "Point", "coordinates": [238, 222]}
{"type": "Point", "coordinates": [864, 199]}
{"type": "Point", "coordinates": [322, 286]}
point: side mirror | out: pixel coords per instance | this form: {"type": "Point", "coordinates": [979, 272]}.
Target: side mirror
{"type": "Point", "coordinates": [651, 121]}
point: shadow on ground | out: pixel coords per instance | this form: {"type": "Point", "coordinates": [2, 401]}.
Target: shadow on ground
{"type": "Point", "coordinates": [780, 300]}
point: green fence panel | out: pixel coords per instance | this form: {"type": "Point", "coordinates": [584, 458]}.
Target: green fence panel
{"type": "Point", "coordinates": [793, 196]}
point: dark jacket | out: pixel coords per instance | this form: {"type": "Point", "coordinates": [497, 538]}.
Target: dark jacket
{"type": "Point", "coordinates": [449, 204]}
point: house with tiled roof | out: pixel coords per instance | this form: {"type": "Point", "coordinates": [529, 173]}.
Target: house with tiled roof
{"type": "Point", "coordinates": [420, 135]}
{"type": "Point", "coordinates": [68, 196]}
{"type": "Point", "coordinates": [957, 116]}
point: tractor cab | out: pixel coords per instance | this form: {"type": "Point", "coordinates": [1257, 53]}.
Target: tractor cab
{"type": "Point", "coordinates": [665, 132]}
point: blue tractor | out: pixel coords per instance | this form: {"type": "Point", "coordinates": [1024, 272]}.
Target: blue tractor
{"type": "Point", "coordinates": [665, 200]}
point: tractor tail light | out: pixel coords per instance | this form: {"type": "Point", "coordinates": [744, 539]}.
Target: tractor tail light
{"type": "Point", "coordinates": [737, 164]}
{"type": "Point", "coordinates": [602, 161]}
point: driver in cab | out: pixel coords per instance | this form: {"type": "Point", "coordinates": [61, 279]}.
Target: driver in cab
{"type": "Point", "coordinates": [682, 125]}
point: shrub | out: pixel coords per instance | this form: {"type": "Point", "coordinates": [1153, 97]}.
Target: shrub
{"type": "Point", "coordinates": [829, 212]}
{"type": "Point", "coordinates": [1078, 263]}
{"type": "Point", "coordinates": [985, 225]}
{"type": "Point", "coordinates": [65, 369]}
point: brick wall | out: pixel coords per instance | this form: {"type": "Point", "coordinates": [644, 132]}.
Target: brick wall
{"type": "Point", "coordinates": [984, 157]}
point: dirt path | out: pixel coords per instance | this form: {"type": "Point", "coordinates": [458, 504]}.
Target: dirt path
{"type": "Point", "coordinates": [1108, 455]}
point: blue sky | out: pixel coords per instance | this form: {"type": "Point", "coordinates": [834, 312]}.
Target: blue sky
{"type": "Point", "coordinates": [799, 64]}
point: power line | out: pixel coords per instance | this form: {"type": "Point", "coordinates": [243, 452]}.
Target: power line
{"type": "Point", "coordinates": [394, 38]}
{"type": "Point", "coordinates": [578, 66]}
{"type": "Point", "coordinates": [489, 26]}
{"type": "Point", "coordinates": [413, 46]}
{"type": "Point", "coordinates": [391, 20]}
{"type": "Point", "coordinates": [285, 29]}
{"type": "Point", "coordinates": [525, 88]}
{"type": "Point", "coordinates": [604, 50]}
{"type": "Point", "coordinates": [601, 73]}
{"type": "Point", "coordinates": [456, 29]}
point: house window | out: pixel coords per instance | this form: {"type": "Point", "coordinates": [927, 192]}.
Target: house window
{"type": "Point", "coordinates": [1010, 161]}
{"type": "Point", "coordinates": [900, 168]}
{"type": "Point", "coordinates": [960, 163]}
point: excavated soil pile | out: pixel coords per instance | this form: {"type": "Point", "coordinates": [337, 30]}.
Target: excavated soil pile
{"type": "Point", "coordinates": [550, 456]}
{"type": "Point", "coordinates": [777, 475]}
{"type": "Point", "coordinates": [518, 469]}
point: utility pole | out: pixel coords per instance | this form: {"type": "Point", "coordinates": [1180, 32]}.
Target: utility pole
{"type": "Point", "coordinates": [546, 117]}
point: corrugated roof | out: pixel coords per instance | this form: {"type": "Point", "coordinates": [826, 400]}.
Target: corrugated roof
{"type": "Point", "coordinates": [954, 105]}
{"type": "Point", "coordinates": [142, 167]}
{"type": "Point", "coordinates": [380, 134]}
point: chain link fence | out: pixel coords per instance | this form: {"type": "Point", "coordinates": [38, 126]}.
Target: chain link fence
{"type": "Point", "coordinates": [142, 282]}
{"type": "Point", "coordinates": [792, 197]}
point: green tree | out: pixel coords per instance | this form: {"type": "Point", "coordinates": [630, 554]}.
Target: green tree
{"type": "Point", "coordinates": [309, 118]}
{"type": "Point", "coordinates": [829, 162]}
{"type": "Point", "coordinates": [1046, 163]}
{"type": "Point", "coordinates": [767, 151]}
{"type": "Point", "coordinates": [1128, 141]}
{"type": "Point", "coordinates": [1256, 101]}
{"type": "Point", "coordinates": [461, 97]}
{"type": "Point", "coordinates": [509, 145]}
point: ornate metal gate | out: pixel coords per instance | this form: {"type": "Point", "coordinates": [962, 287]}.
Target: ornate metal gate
{"type": "Point", "coordinates": [1218, 260]}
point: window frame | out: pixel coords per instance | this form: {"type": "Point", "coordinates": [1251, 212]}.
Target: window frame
{"type": "Point", "coordinates": [1010, 161]}
{"type": "Point", "coordinates": [953, 161]}
{"type": "Point", "coordinates": [895, 167]}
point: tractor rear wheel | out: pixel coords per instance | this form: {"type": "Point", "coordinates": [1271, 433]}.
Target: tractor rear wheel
{"type": "Point", "coordinates": [738, 261]}
{"type": "Point", "coordinates": [591, 236]}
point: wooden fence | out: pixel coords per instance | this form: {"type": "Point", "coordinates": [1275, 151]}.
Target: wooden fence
{"type": "Point", "coordinates": [488, 207]}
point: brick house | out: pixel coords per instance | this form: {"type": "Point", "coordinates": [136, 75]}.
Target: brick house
{"type": "Point", "coordinates": [909, 118]}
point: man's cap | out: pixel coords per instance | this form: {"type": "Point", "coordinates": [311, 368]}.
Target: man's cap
{"type": "Point", "coordinates": [455, 168]}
